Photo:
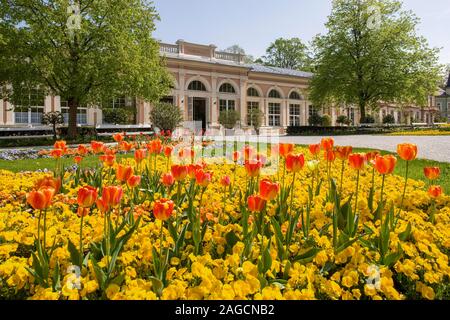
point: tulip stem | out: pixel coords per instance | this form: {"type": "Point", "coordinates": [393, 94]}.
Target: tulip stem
{"type": "Point", "coordinates": [342, 176]}
{"type": "Point", "coordinates": [39, 226]}
{"type": "Point", "coordinates": [404, 188]}
{"type": "Point", "coordinates": [81, 240]}
{"type": "Point", "coordinates": [45, 227]}
{"type": "Point", "coordinates": [357, 190]}
{"type": "Point", "coordinates": [381, 199]}
{"type": "Point", "coordinates": [292, 192]}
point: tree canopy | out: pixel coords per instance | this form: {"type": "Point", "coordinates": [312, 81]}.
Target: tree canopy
{"type": "Point", "coordinates": [289, 54]}
{"type": "Point", "coordinates": [372, 53]}
{"type": "Point", "coordinates": [85, 51]}
{"type": "Point", "coordinates": [239, 50]}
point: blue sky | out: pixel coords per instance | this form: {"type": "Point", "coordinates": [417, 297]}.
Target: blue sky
{"type": "Point", "coordinates": [254, 24]}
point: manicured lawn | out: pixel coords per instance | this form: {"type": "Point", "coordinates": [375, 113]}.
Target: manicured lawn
{"type": "Point", "coordinates": [416, 167]}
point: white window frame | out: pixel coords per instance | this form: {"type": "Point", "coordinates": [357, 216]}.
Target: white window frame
{"type": "Point", "coordinates": [274, 119]}
{"type": "Point", "coordinates": [294, 117]}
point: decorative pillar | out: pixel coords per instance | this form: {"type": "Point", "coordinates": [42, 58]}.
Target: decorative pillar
{"type": "Point", "coordinates": [214, 101]}
{"type": "Point", "coordinates": [182, 93]}
{"type": "Point", "coordinates": [243, 100]}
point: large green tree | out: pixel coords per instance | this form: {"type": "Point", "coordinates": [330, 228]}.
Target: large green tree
{"type": "Point", "coordinates": [289, 54]}
{"type": "Point", "coordinates": [372, 53]}
{"type": "Point", "coordinates": [86, 51]}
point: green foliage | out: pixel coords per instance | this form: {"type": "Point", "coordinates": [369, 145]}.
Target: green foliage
{"type": "Point", "coordinates": [166, 116]}
{"type": "Point", "coordinates": [239, 50]}
{"type": "Point", "coordinates": [53, 119]}
{"type": "Point", "coordinates": [288, 53]}
{"type": "Point", "coordinates": [361, 62]}
{"type": "Point", "coordinates": [326, 121]}
{"type": "Point", "coordinates": [368, 119]}
{"type": "Point", "coordinates": [229, 118]}
{"type": "Point", "coordinates": [315, 120]}
{"type": "Point", "coordinates": [112, 54]}
{"type": "Point", "coordinates": [116, 116]}
{"type": "Point", "coordinates": [256, 117]}
{"type": "Point", "coordinates": [343, 119]}
{"type": "Point", "coordinates": [388, 119]}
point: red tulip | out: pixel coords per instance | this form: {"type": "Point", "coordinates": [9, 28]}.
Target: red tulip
{"type": "Point", "coordinates": [167, 179]}
{"type": "Point", "coordinates": [163, 209]}
{"type": "Point", "coordinates": [330, 156]}
{"type": "Point", "coordinates": [343, 152]}
{"type": "Point", "coordinates": [168, 151]}
{"type": "Point", "coordinates": [82, 150]}
{"type": "Point", "coordinates": [112, 195]}
{"type": "Point", "coordinates": [236, 156]}
{"type": "Point", "coordinates": [357, 160]}
{"type": "Point", "coordinates": [268, 189]}
{"type": "Point", "coordinates": [97, 147]}
{"type": "Point", "coordinates": [123, 173]}
{"type": "Point", "coordinates": [125, 146]}
{"type": "Point", "coordinates": [134, 181]}
{"type": "Point", "coordinates": [225, 181]}
{"type": "Point", "coordinates": [435, 191]}
{"type": "Point", "coordinates": [57, 153]}
{"type": "Point", "coordinates": [327, 143]}
{"type": "Point", "coordinates": [179, 172]}
{"type": "Point", "coordinates": [108, 159]}
{"type": "Point", "coordinates": [407, 151]}
{"type": "Point", "coordinates": [314, 149]}
{"type": "Point", "coordinates": [102, 205]}
{"type": "Point", "coordinates": [192, 169]}
{"type": "Point", "coordinates": [83, 212]}
{"type": "Point", "coordinates": [295, 162]}
{"type": "Point", "coordinates": [155, 146]}
{"type": "Point", "coordinates": [48, 182]}
{"type": "Point", "coordinates": [256, 203]}
{"type": "Point", "coordinates": [432, 173]}
{"type": "Point", "coordinates": [253, 168]}
{"type": "Point", "coordinates": [203, 178]}
{"type": "Point", "coordinates": [77, 159]}
{"type": "Point", "coordinates": [370, 156]}
{"type": "Point", "coordinates": [60, 145]}
{"type": "Point", "coordinates": [248, 152]}
{"type": "Point", "coordinates": [87, 196]}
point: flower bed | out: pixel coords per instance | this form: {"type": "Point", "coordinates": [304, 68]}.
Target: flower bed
{"type": "Point", "coordinates": [328, 225]}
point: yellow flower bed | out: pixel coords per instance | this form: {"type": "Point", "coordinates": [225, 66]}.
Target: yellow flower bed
{"type": "Point", "coordinates": [220, 271]}
{"type": "Point", "coordinates": [421, 133]}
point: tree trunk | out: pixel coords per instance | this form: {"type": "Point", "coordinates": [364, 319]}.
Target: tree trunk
{"type": "Point", "coordinates": [362, 112]}
{"type": "Point", "coordinates": [73, 108]}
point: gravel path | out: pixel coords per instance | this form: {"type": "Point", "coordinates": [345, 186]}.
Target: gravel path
{"type": "Point", "coordinates": [430, 147]}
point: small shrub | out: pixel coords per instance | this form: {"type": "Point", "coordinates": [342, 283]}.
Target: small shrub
{"type": "Point", "coordinates": [388, 119]}
{"type": "Point", "coordinates": [228, 118]}
{"type": "Point", "coordinates": [343, 120]}
{"type": "Point", "coordinates": [116, 116]}
{"type": "Point", "coordinates": [256, 118]}
{"type": "Point", "coordinates": [53, 119]}
{"type": "Point", "coordinates": [368, 119]}
{"type": "Point", "coordinates": [166, 116]}
{"type": "Point", "coordinates": [326, 121]}
{"type": "Point", "coordinates": [315, 120]}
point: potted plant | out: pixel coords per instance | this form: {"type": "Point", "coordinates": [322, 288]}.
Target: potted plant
{"type": "Point", "coordinates": [228, 119]}
{"type": "Point", "coordinates": [256, 119]}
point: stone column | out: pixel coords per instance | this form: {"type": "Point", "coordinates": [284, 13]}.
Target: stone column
{"type": "Point", "coordinates": [214, 101]}
{"type": "Point", "coordinates": [333, 116]}
{"type": "Point", "coordinates": [182, 93]}
{"type": "Point", "coordinates": [243, 100]}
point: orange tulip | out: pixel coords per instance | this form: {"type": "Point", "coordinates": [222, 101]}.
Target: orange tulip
{"type": "Point", "coordinates": [163, 209]}
{"type": "Point", "coordinates": [102, 205]}
{"type": "Point", "coordinates": [432, 173]}
{"type": "Point", "coordinates": [203, 178]}
{"type": "Point", "coordinates": [343, 152]}
{"type": "Point", "coordinates": [139, 155]}
{"type": "Point", "coordinates": [167, 179]}
{"type": "Point", "coordinates": [268, 189]}
{"type": "Point", "coordinates": [179, 172]}
{"type": "Point", "coordinates": [192, 169]}
{"type": "Point", "coordinates": [357, 160]}
{"type": "Point", "coordinates": [57, 153]}
{"type": "Point", "coordinates": [385, 164]}
{"type": "Point", "coordinates": [295, 162]}
{"type": "Point", "coordinates": [41, 199]}
{"type": "Point", "coordinates": [225, 181]}
{"type": "Point", "coordinates": [125, 146]}
{"type": "Point", "coordinates": [435, 191]}
{"type": "Point", "coordinates": [186, 153]}
{"type": "Point", "coordinates": [48, 182]}
{"type": "Point", "coordinates": [118, 137]}
{"type": "Point", "coordinates": [236, 156]}
{"type": "Point", "coordinates": [168, 151]}
{"type": "Point", "coordinates": [247, 152]}
{"type": "Point", "coordinates": [108, 160]}
{"type": "Point", "coordinates": [112, 195]}
{"type": "Point", "coordinates": [82, 150]}
{"type": "Point", "coordinates": [97, 147]}
{"type": "Point", "coordinates": [285, 149]}
{"type": "Point", "coordinates": [314, 149]}
{"type": "Point", "coordinates": [87, 196]}
{"type": "Point", "coordinates": [407, 151]}
{"type": "Point", "coordinates": [61, 144]}
{"type": "Point", "coordinates": [253, 168]}
{"type": "Point", "coordinates": [327, 143]}
{"type": "Point", "coordinates": [256, 203]}
{"type": "Point", "coordinates": [123, 173]}
{"type": "Point", "coordinates": [83, 212]}
{"type": "Point", "coordinates": [370, 156]}
{"type": "Point", "coordinates": [134, 181]}
{"type": "Point", "coordinates": [155, 146]}
{"type": "Point", "coordinates": [329, 155]}
{"type": "Point", "coordinates": [77, 159]}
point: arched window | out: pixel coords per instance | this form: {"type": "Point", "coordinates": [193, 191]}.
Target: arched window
{"type": "Point", "coordinates": [227, 88]}
{"type": "Point", "coordinates": [252, 92]}
{"type": "Point", "coordinates": [274, 94]}
{"type": "Point", "coordinates": [295, 96]}
{"type": "Point", "coordinates": [196, 86]}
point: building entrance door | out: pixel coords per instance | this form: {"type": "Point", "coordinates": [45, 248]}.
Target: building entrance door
{"type": "Point", "coordinates": [199, 111]}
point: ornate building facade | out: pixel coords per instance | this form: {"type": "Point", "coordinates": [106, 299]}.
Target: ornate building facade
{"type": "Point", "coordinates": [208, 81]}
